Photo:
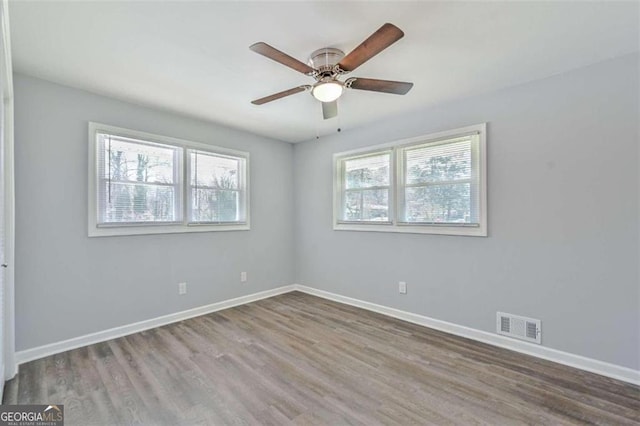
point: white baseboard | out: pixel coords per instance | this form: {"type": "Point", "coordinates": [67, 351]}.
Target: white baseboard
{"type": "Point", "coordinates": [10, 368]}
{"type": "Point", "coordinates": [2, 387]}
{"type": "Point", "coordinates": [102, 336]}
{"type": "Point", "coordinates": [588, 364]}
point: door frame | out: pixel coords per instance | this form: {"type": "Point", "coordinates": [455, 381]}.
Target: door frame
{"type": "Point", "coordinates": [8, 320]}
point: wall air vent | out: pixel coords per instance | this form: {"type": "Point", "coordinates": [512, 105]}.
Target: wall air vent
{"type": "Point", "coordinates": [519, 327]}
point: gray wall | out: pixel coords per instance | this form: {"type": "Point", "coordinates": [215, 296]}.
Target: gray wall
{"type": "Point", "coordinates": [67, 284]}
{"type": "Point", "coordinates": [563, 217]}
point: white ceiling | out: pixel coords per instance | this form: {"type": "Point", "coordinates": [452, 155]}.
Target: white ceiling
{"type": "Point", "coordinates": [193, 58]}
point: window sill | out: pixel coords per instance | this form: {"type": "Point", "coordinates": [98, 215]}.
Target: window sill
{"type": "Point", "coordinates": [109, 231]}
{"type": "Point", "coordinates": [469, 231]}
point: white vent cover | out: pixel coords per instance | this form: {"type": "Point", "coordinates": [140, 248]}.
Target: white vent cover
{"type": "Point", "coordinates": [523, 328]}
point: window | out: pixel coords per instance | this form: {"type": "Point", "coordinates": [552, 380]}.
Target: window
{"type": "Point", "coordinates": [139, 181]}
{"type": "Point", "coordinates": [216, 183]}
{"type": "Point", "coordinates": [437, 180]}
{"type": "Point", "coordinates": [146, 184]}
{"type": "Point", "coordinates": [433, 184]}
{"type": "Point", "coordinates": [366, 188]}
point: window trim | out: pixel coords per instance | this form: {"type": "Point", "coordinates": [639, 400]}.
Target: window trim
{"type": "Point", "coordinates": [178, 172]}
{"type": "Point", "coordinates": [397, 185]}
{"type": "Point", "coordinates": [242, 185]}
{"type": "Point", "coordinates": [391, 187]}
{"type": "Point", "coordinates": [183, 226]}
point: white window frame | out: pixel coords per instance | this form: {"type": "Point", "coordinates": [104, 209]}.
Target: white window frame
{"type": "Point", "coordinates": [242, 184]}
{"type": "Point", "coordinates": [343, 190]}
{"type": "Point", "coordinates": [183, 226]}
{"type": "Point", "coordinates": [396, 202]}
{"type": "Point", "coordinates": [176, 185]}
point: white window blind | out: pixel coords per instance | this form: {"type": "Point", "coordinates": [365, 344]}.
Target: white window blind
{"type": "Point", "coordinates": [366, 188]}
{"type": "Point", "coordinates": [441, 182]}
{"type": "Point", "coordinates": [432, 184]}
{"type": "Point", "coordinates": [139, 181]}
{"type": "Point", "coordinates": [217, 188]}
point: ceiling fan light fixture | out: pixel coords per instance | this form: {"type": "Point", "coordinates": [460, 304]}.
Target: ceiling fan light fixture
{"type": "Point", "coordinates": [328, 64]}
{"type": "Point", "coordinates": [327, 91]}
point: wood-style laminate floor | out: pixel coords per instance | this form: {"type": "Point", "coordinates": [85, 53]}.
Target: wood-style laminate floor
{"type": "Point", "coordinates": [299, 359]}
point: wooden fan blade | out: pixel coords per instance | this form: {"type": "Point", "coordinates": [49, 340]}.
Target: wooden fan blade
{"type": "Point", "coordinates": [272, 53]}
{"type": "Point", "coordinates": [374, 85]}
{"type": "Point", "coordinates": [279, 95]}
{"type": "Point", "coordinates": [376, 43]}
{"type": "Point", "coordinates": [329, 109]}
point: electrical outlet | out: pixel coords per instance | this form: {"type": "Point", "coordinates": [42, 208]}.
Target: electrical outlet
{"type": "Point", "coordinates": [402, 287]}
{"type": "Point", "coordinates": [243, 277]}
{"type": "Point", "coordinates": [182, 288]}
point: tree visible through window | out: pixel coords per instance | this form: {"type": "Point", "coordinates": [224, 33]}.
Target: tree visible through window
{"type": "Point", "coordinates": [137, 179]}
{"type": "Point", "coordinates": [367, 188]}
{"type": "Point", "coordinates": [438, 183]}
{"type": "Point", "coordinates": [434, 184]}
{"type": "Point", "coordinates": [214, 187]}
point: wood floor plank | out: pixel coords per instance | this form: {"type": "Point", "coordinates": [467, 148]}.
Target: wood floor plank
{"type": "Point", "coordinates": [33, 383]}
{"type": "Point", "coordinates": [10, 395]}
{"type": "Point", "coordinates": [296, 359]}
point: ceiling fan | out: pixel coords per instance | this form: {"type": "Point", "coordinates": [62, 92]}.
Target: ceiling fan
{"type": "Point", "coordinates": [326, 65]}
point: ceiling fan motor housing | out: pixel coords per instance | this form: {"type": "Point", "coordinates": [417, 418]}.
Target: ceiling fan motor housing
{"type": "Point", "coordinates": [324, 60]}
{"type": "Point", "coordinates": [326, 65]}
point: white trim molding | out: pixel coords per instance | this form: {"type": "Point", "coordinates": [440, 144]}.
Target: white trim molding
{"type": "Point", "coordinates": [583, 363]}
{"type": "Point", "coordinates": [396, 206]}
{"type": "Point", "coordinates": [3, 380]}
{"type": "Point", "coordinates": [113, 333]}
{"type": "Point", "coordinates": [9, 368]}
{"type": "Point", "coordinates": [181, 185]}
{"type": "Point", "coordinates": [577, 361]}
